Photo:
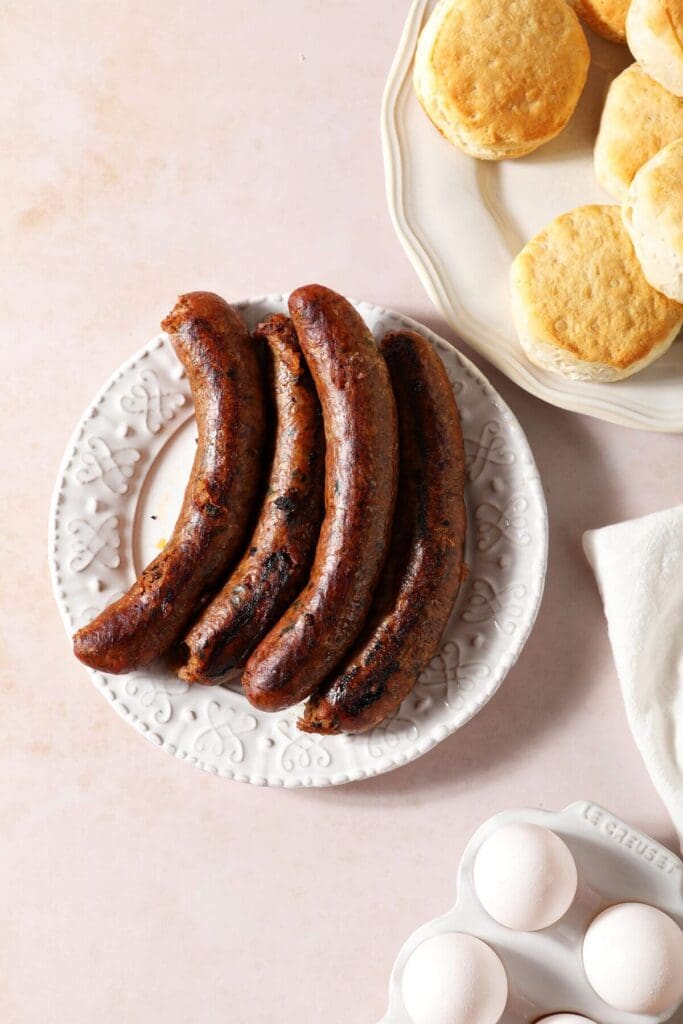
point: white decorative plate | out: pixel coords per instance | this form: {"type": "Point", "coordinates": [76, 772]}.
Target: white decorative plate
{"type": "Point", "coordinates": [116, 499]}
{"type": "Point", "coordinates": [462, 221]}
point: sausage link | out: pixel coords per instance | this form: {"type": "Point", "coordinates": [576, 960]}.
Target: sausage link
{"type": "Point", "coordinates": [425, 561]}
{"type": "Point", "coordinates": [280, 551]}
{"type": "Point", "coordinates": [359, 417]}
{"type": "Point", "coordinates": [213, 344]}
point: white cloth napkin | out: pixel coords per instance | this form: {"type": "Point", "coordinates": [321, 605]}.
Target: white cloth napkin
{"type": "Point", "coordinates": [639, 569]}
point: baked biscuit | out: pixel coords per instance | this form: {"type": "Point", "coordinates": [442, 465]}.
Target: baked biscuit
{"type": "Point", "coordinates": [653, 216]}
{"type": "Point", "coordinates": [498, 79]}
{"type": "Point", "coordinates": [655, 37]}
{"type": "Point", "coordinates": [639, 118]}
{"type": "Point", "coordinates": [606, 17]}
{"type": "Point", "coordinates": [580, 301]}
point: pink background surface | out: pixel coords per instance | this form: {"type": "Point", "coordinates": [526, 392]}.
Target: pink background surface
{"type": "Point", "coordinates": [155, 148]}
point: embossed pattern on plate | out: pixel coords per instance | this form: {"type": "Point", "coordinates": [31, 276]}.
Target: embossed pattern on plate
{"type": "Point", "coordinates": [107, 478]}
{"type": "Point", "coordinates": [462, 221]}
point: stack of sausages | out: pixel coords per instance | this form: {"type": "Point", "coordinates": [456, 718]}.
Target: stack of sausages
{"type": "Point", "coordinates": [291, 557]}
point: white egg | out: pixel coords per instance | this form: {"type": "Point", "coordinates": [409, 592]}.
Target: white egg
{"type": "Point", "coordinates": [566, 1018]}
{"type": "Point", "coordinates": [454, 979]}
{"type": "Point", "coordinates": [633, 957]}
{"type": "Point", "coordinates": [525, 877]}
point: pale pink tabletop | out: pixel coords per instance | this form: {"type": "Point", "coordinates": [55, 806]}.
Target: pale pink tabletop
{"type": "Point", "coordinates": [152, 148]}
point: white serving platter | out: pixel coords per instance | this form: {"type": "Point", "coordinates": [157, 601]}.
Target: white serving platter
{"type": "Point", "coordinates": [462, 221]}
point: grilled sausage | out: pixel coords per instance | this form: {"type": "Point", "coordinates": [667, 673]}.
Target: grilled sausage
{"type": "Point", "coordinates": [213, 344]}
{"type": "Point", "coordinates": [359, 416]}
{"type": "Point", "coordinates": [425, 561]}
{"type": "Point", "coordinates": [280, 551]}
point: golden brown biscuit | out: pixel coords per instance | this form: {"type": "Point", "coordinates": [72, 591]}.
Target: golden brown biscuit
{"type": "Point", "coordinates": [498, 79]}
{"type": "Point", "coordinates": [653, 216]}
{"type": "Point", "coordinates": [580, 301]}
{"type": "Point", "coordinates": [639, 118]}
{"type": "Point", "coordinates": [606, 17]}
{"type": "Point", "coordinates": [655, 36]}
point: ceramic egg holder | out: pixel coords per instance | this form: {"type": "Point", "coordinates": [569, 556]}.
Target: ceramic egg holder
{"type": "Point", "coordinates": [615, 864]}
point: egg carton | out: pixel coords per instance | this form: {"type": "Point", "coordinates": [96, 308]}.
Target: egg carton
{"type": "Point", "coordinates": [616, 863]}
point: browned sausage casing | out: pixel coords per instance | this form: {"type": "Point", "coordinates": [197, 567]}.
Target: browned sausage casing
{"type": "Point", "coordinates": [359, 416]}
{"type": "Point", "coordinates": [425, 561]}
{"type": "Point", "coordinates": [279, 554]}
{"type": "Point", "coordinates": [213, 344]}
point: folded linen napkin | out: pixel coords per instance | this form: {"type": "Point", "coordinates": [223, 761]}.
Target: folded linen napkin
{"type": "Point", "coordinates": [639, 569]}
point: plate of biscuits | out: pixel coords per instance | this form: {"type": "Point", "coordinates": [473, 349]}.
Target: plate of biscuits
{"type": "Point", "coordinates": [533, 168]}
{"type": "Point", "coordinates": [297, 541]}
